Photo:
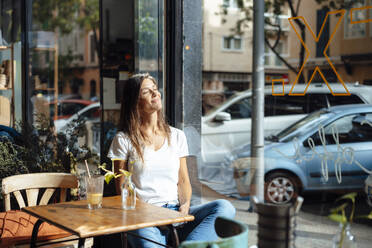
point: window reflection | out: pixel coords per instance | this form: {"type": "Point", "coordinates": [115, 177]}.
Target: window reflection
{"type": "Point", "coordinates": [63, 63]}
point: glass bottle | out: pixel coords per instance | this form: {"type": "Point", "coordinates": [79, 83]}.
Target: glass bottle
{"type": "Point", "coordinates": [343, 238]}
{"type": "Point", "coordinates": [128, 194]}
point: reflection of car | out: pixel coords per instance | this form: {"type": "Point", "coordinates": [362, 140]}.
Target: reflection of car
{"type": "Point", "coordinates": [228, 126]}
{"type": "Point", "coordinates": [67, 107]}
{"type": "Point", "coordinates": [89, 113]}
{"type": "Point", "coordinates": [327, 150]}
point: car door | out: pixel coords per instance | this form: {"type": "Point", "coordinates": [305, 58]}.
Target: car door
{"type": "Point", "coordinates": [343, 151]}
{"type": "Point", "coordinates": [219, 138]}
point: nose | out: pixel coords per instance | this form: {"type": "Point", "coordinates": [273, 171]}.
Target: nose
{"type": "Point", "coordinates": [155, 92]}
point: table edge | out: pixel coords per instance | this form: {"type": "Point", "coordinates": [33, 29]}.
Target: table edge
{"type": "Point", "coordinates": [186, 218]}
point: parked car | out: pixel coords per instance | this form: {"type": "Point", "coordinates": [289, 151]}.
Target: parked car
{"type": "Point", "coordinates": [90, 112]}
{"type": "Point", "coordinates": [228, 126]}
{"type": "Point", "coordinates": [67, 107]}
{"type": "Point", "coordinates": [329, 149]}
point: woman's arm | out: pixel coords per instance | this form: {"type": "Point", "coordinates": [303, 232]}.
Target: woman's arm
{"type": "Point", "coordinates": [119, 164]}
{"type": "Point", "coordinates": [184, 187]}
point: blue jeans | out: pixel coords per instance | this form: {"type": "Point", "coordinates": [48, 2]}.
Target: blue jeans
{"type": "Point", "coordinates": [201, 229]}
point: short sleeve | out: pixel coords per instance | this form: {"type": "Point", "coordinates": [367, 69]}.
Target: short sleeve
{"type": "Point", "coordinates": [119, 147]}
{"type": "Point", "coordinates": [183, 149]}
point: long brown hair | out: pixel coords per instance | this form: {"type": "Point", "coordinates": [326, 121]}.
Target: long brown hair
{"type": "Point", "coordinates": [130, 119]}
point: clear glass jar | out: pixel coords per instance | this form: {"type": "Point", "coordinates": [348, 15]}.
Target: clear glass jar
{"type": "Point", "coordinates": [343, 238]}
{"type": "Point", "coordinates": [128, 194]}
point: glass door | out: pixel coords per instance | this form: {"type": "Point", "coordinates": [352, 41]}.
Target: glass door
{"type": "Point", "coordinates": [132, 34]}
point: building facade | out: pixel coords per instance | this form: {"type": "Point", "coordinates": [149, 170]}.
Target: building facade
{"type": "Point", "coordinates": [347, 48]}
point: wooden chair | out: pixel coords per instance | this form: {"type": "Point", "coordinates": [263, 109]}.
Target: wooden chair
{"type": "Point", "coordinates": [35, 183]}
{"type": "Point", "coordinates": [234, 234]}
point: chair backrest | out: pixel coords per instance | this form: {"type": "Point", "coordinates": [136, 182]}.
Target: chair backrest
{"type": "Point", "coordinates": [32, 183]}
{"type": "Point", "coordinates": [233, 234]}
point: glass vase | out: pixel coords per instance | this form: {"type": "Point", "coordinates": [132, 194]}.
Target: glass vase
{"type": "Point", "coordinates": [128, 194]}
{"type": "Point", "coordinates": [343, 238]}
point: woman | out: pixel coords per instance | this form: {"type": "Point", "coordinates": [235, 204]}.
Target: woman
{"type": "Point", "coordinates": [157, 155]}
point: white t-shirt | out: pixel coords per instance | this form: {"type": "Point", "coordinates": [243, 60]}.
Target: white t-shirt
{"type": "Point", "coordinates": [156, 179]}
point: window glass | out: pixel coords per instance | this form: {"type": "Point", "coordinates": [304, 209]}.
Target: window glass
{"type": "Point", "coordinates": [240, 109]}
{"type": "Point", "coordinates": [342, 100]}
{"type": "Point", "coordinates": [91, 114]}
{"type": "Point", "coordinates": [230, 3]}
{"type": "Point", "coordinates": [348, 129]}
{"type": "Point", "coordinates": [270, 58]}
{"type": "Point", "coordinates": [63, 50]}
{"type": "Point", "coordinates": [232, 43]}
{"type": "Point", "coordinates": [226, 43]}
{"type": "Point", "coordinates": [237, 44]}
{"type": "Point", "coordinates": [11, 88]}
{"type": "Point", "coordinates": [355, 30]}
{"type": "Point", "coordinates": [288, 105]}
{"type": "Point", "coordinates": [315, 102]}
{"type": "Point", "coordinates": [229, 147]}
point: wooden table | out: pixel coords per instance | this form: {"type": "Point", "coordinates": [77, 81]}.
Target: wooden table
{"type": "Point", "coordinates": [76, 218]}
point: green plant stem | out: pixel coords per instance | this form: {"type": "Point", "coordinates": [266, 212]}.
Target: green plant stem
{"type": "Point", "coordinates": [352, 212]}
{"type": "Point", "coordinates": [342, 236]}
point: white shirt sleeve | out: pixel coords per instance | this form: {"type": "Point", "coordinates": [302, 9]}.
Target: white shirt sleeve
{"type": "Point", "coordinates": [119, 147]}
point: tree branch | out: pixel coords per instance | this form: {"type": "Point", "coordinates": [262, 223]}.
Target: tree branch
{"type": "Point", "coordinates": [280, 56]}
{"type": "Point", "coordinates": [298, 6]}
{"type": "Point", "coordinates": [278, 34]}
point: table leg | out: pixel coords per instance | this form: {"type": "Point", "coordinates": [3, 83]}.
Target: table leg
{"type": "Point", "coordinates": [174, 235]}
{"type": "Point", "coordinates": [81, 243]}
{"type": "Point", "coordinates": [124, 240]}
{"type": "Point", "coordinates": [35, 230]}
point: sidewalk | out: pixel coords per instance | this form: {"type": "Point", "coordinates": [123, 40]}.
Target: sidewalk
{"type": "Point", "coordinates": [312, 231]}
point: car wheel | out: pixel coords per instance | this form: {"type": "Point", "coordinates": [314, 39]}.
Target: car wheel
{"type": "Point", "coordinates": [281, 188]}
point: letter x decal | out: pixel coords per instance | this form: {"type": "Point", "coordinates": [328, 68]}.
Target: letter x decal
{"type": "Point", "coordinates": [340, 18]}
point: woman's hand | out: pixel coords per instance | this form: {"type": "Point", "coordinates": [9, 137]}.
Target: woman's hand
{"type": "Point", "coordinates": [184, 208]}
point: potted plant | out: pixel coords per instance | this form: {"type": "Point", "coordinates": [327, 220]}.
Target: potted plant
{"type": "Point", "coordinates": [128, 193]}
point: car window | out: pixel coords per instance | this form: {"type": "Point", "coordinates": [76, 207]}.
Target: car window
{"type": "Point", "coordinates": [347, 129]}
{"type": "Point", "coordinates": [90, 114]}
{"type": "Point", "coordinates": [284, 105]}
{"type": "Point", "coordinates": [342, 100]}
{"type": "Point", "coordinates": [315, 101]}
{"type": "Point", "coordinates": [70, 108]}
{"type": "Point", "coordinates": [303, 126]}
{"type": "Point", "coordinates": [241, 109]}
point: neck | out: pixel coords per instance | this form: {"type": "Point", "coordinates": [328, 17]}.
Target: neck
{"type": "Point", "coordinates": [150, 123]}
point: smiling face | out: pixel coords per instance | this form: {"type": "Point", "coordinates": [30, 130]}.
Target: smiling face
{"type": "Point", "coordinates": [149, 97]}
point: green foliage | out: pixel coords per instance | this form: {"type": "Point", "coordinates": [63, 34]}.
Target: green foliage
{"type": "Point", "coordinates": [42, 150]}
{"type": "Point", "coordinates": [57, 14]}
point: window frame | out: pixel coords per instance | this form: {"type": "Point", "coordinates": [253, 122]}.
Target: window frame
{"type": "Point", "coordinates": [232, 44]}
{"type": "Point", "coordinates": [230, 4]}
{"type": "Point", "coordinates": [272, 54]}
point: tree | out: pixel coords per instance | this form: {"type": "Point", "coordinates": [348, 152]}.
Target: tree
{"type": "Point", "coordinates": [89, 20]}
{"type": "Point", "coordinates": [276, 8]}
